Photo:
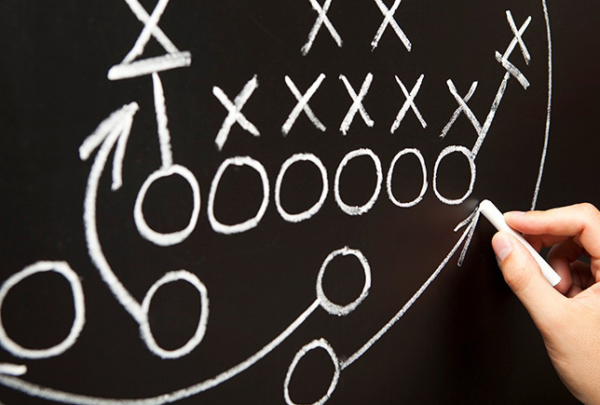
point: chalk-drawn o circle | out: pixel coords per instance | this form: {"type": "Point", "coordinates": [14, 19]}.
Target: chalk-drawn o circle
{"type": "Point", "coordinates": [342, 310]}
{"type": "Point", "coordinates": [315, 344]}
{"type": "Point", "coordinates": [390, 175]}
{"type": "Point", "coordinates": [302, 216]}
{"type": "Point", "coordinates": [252, 222]}
{"type": "Point", "coordinates": [351, 209]}
{"type": "Point", "coordinates": [470, 158]}
{"type": "Point", "coordinates": [173, 238]}
{"type": "Point", "coordinates": [64, 270]}
{"type": "Point", "coordinates": [195, 340]}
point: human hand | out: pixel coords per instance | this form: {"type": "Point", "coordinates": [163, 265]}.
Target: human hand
{"type": "Point", "coordinates": [568, 316]}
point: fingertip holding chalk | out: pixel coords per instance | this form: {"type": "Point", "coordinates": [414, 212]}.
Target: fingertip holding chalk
{"type": "Point", "coordinates": [493, 214]}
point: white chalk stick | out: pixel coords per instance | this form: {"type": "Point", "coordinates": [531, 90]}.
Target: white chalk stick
{"type": "Point", "coordinates": [493, 214]}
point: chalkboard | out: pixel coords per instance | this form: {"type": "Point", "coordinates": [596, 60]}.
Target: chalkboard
{"type": "Point", "coordinates": [276, 201]}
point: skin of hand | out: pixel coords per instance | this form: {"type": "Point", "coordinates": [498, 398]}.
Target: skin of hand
{"type": "Point", "coordinates": [567, 316]}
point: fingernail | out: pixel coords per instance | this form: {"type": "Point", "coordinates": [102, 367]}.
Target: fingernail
{"type": "Point", "coordinates": [513, 214]}
{"type": "Point", "coordinates": [502, 246]}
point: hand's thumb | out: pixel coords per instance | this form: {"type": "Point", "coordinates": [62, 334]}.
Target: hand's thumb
{"type": "Point", "coordinates": [525, 278]}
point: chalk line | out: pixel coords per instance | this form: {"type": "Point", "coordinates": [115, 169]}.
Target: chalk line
{"type": "Point", "coordinates": [164, 136]}
{"type": "Point", "coordinates": [70, 398]}
{"type": "Point", "coordinates": [13, 369]}
{"type": "Point", "coordinates": [472, 224]}
{"type": "Point", "coordinates": [490, 118]}
{"type": "Point", "coordinates": [150, 65]}
{"type": "Point", "coordinates": [358, 354]}
{"type": "Point", "coordinates": [549, 109]}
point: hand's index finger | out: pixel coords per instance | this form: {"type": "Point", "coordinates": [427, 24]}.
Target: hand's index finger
{"type": "Point", "coordinates": [581, 221]}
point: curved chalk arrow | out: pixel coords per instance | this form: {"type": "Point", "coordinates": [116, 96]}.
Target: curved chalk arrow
{"type": "Point", "coordinates": [113, 130]}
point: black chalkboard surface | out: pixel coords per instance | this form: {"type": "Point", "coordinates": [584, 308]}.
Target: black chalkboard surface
{"type": "Point", "coordinates": [276, 201]}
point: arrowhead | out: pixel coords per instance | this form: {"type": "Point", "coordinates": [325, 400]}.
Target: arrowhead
{"type": "Point", "coordinates": [116, 127]}
{"type": "Point", "coordinates": [470, 223]}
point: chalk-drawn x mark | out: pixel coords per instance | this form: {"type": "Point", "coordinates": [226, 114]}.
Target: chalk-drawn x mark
{"type": "Point", "coordinates": [173, 59]}
{"type": "Point", "coordinates": [357, 105]}
{"type": "Point", "coordinates": [409, 104]}
{"type": "Point", "coordinates": [321, 19]}
{"type": "Point", "coordinates": [482, 130]}
{"type": "Point", "coordinates": [518, 39]}
{"type": "Point", "coordinates": [390, 20]}
{"type": "Point", "coordinates": [235, 111]}
{"type": "Point", "coordinates": [519, 35]}
{"type": "Point", "coordinates": [459, 110]}
{"type": "Point", "coordinates": [303, 105]}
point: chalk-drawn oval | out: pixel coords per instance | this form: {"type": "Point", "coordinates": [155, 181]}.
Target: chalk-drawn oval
{"type": "Point", "coordinates": [358, 210]}
{"type": "Point", "coordinates": [390, 176]}
{"type": "Point", "coordinates": [342, 310]}
{"type": "Point", "coordinates": [173, 238]}
{"type": "Point", "coordinates": [470, 158]}
{"type": "Point", "coordinates": [64, 270]}
{"type": "Point", "coordinates": [195, 340]}
{"type": "Point", "coordinates": [302, 216]}
{"type": "Point", "coordinates": [252, 222]}
{"type": "Point", "coordinates": [315, 344]}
